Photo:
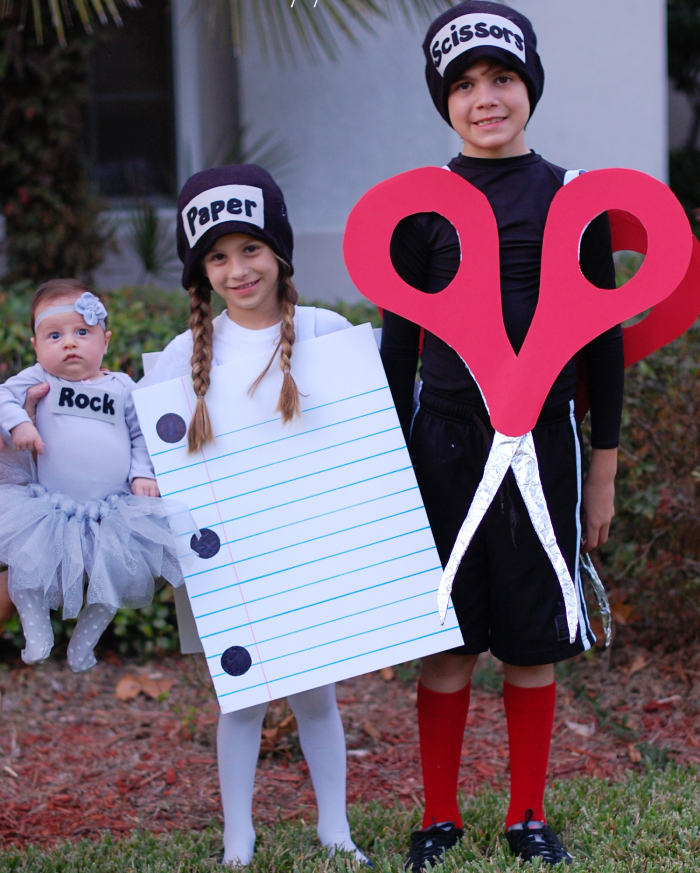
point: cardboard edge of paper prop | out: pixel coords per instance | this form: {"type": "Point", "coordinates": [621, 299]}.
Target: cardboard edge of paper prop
{"type": "Point", "coordinates": [571, 312]}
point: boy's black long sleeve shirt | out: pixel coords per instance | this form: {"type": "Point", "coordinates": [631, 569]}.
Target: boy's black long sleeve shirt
{"type": "Point", "coordinates": [425, 251]}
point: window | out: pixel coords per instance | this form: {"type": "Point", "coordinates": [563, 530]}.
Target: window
{"type": "Point", "coordinates": [130, 117]}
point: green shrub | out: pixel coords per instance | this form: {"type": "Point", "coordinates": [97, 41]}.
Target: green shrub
{"type": "Point", "coordinates": [52, 222]}
{"type": "Point", "coordinates": [141, 320]}
{"type": "Point", "coordinates": [653, 557]}
{"type": "Point", "coordinates": [134, 632]}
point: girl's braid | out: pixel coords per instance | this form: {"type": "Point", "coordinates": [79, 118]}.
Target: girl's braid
{"type": "Point", "coordinates": [288, 403]}
{"type": "Point", "coordinates": [200, 429]}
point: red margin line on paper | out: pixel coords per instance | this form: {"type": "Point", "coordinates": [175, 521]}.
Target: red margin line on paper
{"type": "Point", "coordinates": [228, 546]}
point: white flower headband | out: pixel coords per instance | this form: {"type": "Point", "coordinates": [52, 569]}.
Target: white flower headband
{"type": "Point", "coordinates": [90, 307]}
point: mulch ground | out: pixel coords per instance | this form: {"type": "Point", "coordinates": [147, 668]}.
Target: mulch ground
{"type": "Point", "coordinates": [76, 760]}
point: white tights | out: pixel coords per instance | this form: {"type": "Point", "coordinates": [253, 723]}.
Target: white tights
{"type": "Point", "coordinates": [38, 633]}
{"type": "Point", "coordinates": [323, 743]}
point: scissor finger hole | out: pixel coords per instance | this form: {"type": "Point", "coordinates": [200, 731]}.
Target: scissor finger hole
{"type": "Point", "coordinates": [409, 235]}
{"type": "Point", "coordinates": [629, 244]}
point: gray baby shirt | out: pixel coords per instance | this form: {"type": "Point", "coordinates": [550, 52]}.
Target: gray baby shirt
{"type": "Point", "coordinates": [93, 441]}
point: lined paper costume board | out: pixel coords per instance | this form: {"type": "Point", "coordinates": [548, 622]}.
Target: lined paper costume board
{"type": "Point", "coordinates": [316, 558]}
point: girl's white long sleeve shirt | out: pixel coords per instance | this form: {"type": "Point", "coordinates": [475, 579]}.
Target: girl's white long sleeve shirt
{"type": "Point", "coordinates": [232, 342]}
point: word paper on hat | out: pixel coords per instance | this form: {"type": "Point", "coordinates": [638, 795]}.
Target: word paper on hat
{"type": "Point", "coordinates": [316, 561]}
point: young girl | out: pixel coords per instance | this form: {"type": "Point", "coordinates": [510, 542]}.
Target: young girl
{"type": "Point", "coordinates": [89, 506]}
{"type": "Point", "coordinates": [234, 236]}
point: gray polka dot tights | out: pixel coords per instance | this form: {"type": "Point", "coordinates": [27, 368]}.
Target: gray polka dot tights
{"type": "Point", "coordinates": [93, 621]}
{"type": "Point", "coordinates": [36, 624]}
{"type": "Point", "coordinates": [38, 633]}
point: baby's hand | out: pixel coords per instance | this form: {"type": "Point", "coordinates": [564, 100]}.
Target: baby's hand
{"type": "Point", "coordinates": [25, 438]}
{"type": "Point", "coordinates": [144, 487]}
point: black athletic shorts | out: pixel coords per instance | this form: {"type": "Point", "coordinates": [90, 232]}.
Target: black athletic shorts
{"type": "Point", "coordinates": [506, 594]}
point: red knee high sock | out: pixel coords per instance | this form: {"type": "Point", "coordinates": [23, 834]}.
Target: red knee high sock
{"type": "Point", "coordinates": [530, 716]}
{"type": "Point", "coordinates": [441, 722]}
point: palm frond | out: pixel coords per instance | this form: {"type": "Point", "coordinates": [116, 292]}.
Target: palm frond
{"type": "Point", "coordinates": [36, 5]}
{"type": "Point", "coordinates": [273, 154]}
{"type": "Point", "coordinates": [284, 28]}
{"type": "Point", "coordinates": [60, 13]}
{"type": "Point", "coordinates": [100, 10]}
{"type": "Point", "coordinates": [422, 8]}
{"type": "Point", "coordinates": [151, 239]}
{"type": "Point", "coordinates": [315, 28]}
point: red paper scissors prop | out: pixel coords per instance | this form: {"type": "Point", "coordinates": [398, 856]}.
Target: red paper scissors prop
{"type": "Point", "coordinates": [645, 217]}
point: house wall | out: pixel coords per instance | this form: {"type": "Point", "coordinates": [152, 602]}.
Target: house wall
{"type": "Point", "coordinates": [353, 123]}
{"type": "Point", "coordinates": [350, 124]}
{"type": "Point", "coordinates": [605, 100]}
{"type": "Point", "coordinates": [205, 88]}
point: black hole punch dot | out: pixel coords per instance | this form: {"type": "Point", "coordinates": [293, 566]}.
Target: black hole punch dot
{"type": "Point", "coordinates": [171, 428]}
{"type": "Point", "coordinates": [207, 545]}
{"type": "Point", "coordinates": [236, 661]}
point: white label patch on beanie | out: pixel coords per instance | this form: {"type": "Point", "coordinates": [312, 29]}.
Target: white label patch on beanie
{"type": "Point", "coordinates": [474, 30]}
{"type": "Point", "coordinates": [225, 203]}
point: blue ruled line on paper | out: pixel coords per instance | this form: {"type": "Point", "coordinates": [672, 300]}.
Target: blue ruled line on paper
{"type": "Point", "coordinates": [278, 484]}
{"type": "Point", "coordinates": [276, 418]}
{"type": "Point", "coordinates": [308, 606]}
{"type": "Point", "coordinates": [328, 600]}
{"type": "Point", "coordinates": [304, 564]}
{"type": "Point", "coordinates": [290, 437]}
{"type": "Point", "coordinates": [283, 460]}
{"type": "Point", "coordinates": [307, 584]}
{"type": "Point", "coordinates": [364, 633]}
{"type": "Point", "coordinates": [324, 514]}
{"type": "Point", "coordinates": [333, 533]}
{"type": "Point", "coordinates": [443, 630]}
{"type": "Point", "coordinates": [322, 494]}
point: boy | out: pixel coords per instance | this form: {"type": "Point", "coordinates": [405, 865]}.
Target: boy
{"type": "Point", "coordinates": [485, 78]}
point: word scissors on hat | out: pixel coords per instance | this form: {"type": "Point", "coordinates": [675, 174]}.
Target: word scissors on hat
{"type": "Point", "coordinates": [570, 312]}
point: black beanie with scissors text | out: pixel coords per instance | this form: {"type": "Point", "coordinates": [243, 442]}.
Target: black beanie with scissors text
{"type": "Point", "coordinates": [477, 30]}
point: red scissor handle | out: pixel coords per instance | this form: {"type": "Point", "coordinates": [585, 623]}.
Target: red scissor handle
{"type": "Point", "coordinates": [570, 312]}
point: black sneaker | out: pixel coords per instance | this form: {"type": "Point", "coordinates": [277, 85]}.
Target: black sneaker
{"type": "Point", "coordinates": [431, 844]}
{"type": "Point", "coordinates": [536, 840]}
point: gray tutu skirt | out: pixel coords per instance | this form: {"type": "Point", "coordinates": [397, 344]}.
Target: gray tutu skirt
{"type": "Point", "coordinates": [123, 543]}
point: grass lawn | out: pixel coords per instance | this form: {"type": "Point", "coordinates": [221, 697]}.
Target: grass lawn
{"type": "Point", "coordinates": [647, 822]}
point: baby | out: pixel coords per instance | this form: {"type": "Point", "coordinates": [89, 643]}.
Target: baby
{"type": "Point", "coordinates": [91, 503]}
